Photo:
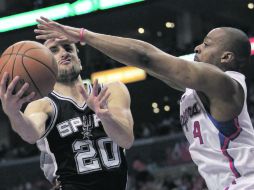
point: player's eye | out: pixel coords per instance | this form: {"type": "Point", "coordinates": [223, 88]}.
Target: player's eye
{"type": "Point", "coordinates": [53, 49]}
{"type": "Point", "coordinates": [68, 48]}
{"type": "Point", "coordinates": [205, 44]}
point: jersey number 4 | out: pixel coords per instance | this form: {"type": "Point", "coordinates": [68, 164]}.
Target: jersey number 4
{"type": "Point", "coordinates": [197, 132]}
{"type": "Point", "coordinates": [86, 160]}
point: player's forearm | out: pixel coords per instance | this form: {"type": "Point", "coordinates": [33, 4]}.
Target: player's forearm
{"type": "Point", "coordinates": [125, 50]}
{"type": "Point", "coordinates": [141, 54]}
{"type": "Point", "coordinates": [119, 130]}
{"type": "Point", "coordinates": [24, 127]}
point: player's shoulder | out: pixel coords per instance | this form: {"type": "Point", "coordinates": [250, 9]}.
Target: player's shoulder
{"type": "Point", "coordinates": [118, 87]}
{"type": "Point", "coordinates": [238, 86]}
{"type": "Point", "coordinates": [115, 85]}
{"type": "Point", "coordinates": [238, 77]}
{"type": "Point", "coordinates": [118, 90]}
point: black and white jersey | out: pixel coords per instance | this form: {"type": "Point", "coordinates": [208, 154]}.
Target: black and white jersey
{"type": "Point", "coordinates": [76, 150]}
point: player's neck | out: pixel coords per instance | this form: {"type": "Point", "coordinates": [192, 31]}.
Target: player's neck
{"type": "Point", "coordinates": [70, 89]}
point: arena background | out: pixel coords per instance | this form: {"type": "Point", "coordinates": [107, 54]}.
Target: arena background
{"type": "Point", "coordinates": [160, 152]}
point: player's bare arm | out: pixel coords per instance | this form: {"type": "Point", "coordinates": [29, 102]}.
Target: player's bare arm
{"type": "Point", "coordinates": [30, 127]}
{"type": "Point", "coordinates": [48, 29]}
{"type": "Point", "coordinates": [223, 92]}
{"type": "Point", "coordinates": [112, 106]}
{"type": "Point", "coordinates": [38, 113]}
{"type": "Point", "coordinates": [118, 123]}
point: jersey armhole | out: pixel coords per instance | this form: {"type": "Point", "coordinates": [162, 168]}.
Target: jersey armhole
{"type": "Point", "coordinates": [240, 79]}
{"type": "Point", "coordinates": [51, 122]}
{"type": "Point", "coordinates": [242, 87]}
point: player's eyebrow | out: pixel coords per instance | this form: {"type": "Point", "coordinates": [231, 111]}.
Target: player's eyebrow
{"type": "Point", "coordinates": [207, 38]}
{"type": "Point", "coordinates": [67, 45]}
{"type": "Point", "coordinates": [52, 47]}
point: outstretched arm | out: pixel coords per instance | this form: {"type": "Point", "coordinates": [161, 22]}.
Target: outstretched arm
{"type": "Point", "coordinates": [52, 30]}
{"type": "Point", "coordinates": [173, 70]}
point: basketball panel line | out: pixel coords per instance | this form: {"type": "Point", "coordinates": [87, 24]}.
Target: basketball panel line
{"type": "Point", "coordinates": [6, 61]}
{"type": "Point", "coordinates": [23, 55]}
{"type": "Point", "coordinates": [30, 77]}
{"type": "Point", "coordinates": [14, 63]}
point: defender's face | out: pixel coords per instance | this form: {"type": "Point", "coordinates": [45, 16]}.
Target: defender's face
{"type": "Point", "coordinates": [211, 50]}
{"type": "Point", "coordinates": [66, 56]}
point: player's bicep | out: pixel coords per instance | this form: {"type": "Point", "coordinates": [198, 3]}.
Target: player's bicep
{"type": "Point", "coordinates": [214, 82]}
{"type": "Point", "coordinates": [38, 113]}
{"type": "Point", "coordinates": [162, 65]}
{"type": "Point", "coordinates": [174, 71]}
{"type": "Point", "coordinates": [220, 88]}
{"type": "Point", "coordinates": [190, 74]}
{"type": "Point", "coordinates": [183, 74]}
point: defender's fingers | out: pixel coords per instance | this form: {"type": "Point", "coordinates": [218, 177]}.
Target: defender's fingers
{"type": "Point", "coordinates": [45, 19]}
{"type": "Point", "coordinates": [41, 21]}
{"type": "Point", "coordinates": [51, 23]}
{"type": "Point", "coordinates": [47, 36]}
{"type": "Point", "coordinates": [43, 27]}
{"type": "Point", "coordinates": [62, 40]}
{"type": "Point", "coordinates": [38, 31]}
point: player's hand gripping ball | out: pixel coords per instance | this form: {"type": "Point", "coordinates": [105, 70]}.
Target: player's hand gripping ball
{"type": "Point", "coordinates": [34, 63]}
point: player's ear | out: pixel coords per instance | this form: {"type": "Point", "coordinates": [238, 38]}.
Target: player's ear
{"type": "Point", "coordinates": [227, 57]}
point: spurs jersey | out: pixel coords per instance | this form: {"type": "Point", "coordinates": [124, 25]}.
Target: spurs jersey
{"type": "Point", "coordinates": [223, 151]}
{"type": "Point", "coordinates": [76, 150]}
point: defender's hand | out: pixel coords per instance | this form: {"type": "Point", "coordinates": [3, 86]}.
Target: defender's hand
{"type": "Point", "coordinates": [11, 102]}
{"type": "Point", "coordinates": [98, 102]}
{"type": "Point", "coordinates": [48, 29]}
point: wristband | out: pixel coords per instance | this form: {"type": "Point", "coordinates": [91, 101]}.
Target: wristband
{"type": "Point", "coordinates": [81, 36]}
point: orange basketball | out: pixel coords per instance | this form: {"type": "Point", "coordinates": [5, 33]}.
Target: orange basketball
{"type": "Point", "coordinates": [34, 63]}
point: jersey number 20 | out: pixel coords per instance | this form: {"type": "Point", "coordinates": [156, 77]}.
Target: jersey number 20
{"type": "Point", "coordinates": [86, 159]}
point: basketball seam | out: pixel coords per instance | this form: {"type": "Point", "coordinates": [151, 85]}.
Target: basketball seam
{"type": "Point", "coordinates": [31, 77]}
{"type": "Point", "coordinates": [40, 61]}
{"type": "Point", "coordinates": [23, 55]}
{"type": "Point", "coordinates": [6, 61]}
{"type": "Point", "coordinates": [13, 67]}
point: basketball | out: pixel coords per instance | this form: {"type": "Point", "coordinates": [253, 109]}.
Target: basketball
{"type": "Point", "coordinates": [34, 63]}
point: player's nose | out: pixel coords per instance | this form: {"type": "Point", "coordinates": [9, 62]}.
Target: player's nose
{"type": "Point", "coordinates": [64, 54]}
{"type": "Point", "coordinates": [197, 49]}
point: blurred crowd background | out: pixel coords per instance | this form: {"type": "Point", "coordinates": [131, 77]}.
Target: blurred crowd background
{"type": "Point", "coordinates": [159, 158]}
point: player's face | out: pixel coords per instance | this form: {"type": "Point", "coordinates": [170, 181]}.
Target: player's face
{"type": "Point", "coordinates": [69, 66]}
{"type": "Point", "coordinates": [211, 50]}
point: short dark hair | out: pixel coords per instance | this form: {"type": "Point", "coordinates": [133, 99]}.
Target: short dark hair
{"type": "Point", "coordinates": [238, 43]}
